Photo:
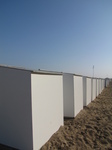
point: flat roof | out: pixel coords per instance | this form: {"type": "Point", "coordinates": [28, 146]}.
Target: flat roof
{"type": "Point", "coordinates": [39, 71]}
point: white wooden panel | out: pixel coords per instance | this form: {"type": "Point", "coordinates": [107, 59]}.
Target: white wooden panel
{"type": "Point", "coordinates": [78, 94]}
{"type": "Point", "coordinates": [93, 89]}
{"type": "Point", "coordinates": [99, 86]}
{"type": "Point", "coordinates": [47, 107]}
{"type": "Point", "coordinates": [84, 91]}
{"type": "Point", "coordinates": [103, 84]}
{"type": "Point", "coordinates": [98, 89]}
{"type": "Point", "coordinates": [88, 91]}
{"type": "Point", "coordinates": [68, 95]}
{"type": "Point", "coordinates": [15, 108]}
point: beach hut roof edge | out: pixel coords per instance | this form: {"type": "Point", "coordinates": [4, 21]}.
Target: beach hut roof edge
{"type": "Point", "coordinates": [39, 71]}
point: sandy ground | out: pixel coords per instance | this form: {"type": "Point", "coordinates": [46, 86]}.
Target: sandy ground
{"type": "Point", "coordinates": [90, 130]}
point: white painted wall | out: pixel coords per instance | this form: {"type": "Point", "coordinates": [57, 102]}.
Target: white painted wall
{"type": "Point", "coordinates": [93, 89]}
{"type": "Point", "coordinates": [103, 84]}
{"type": "Point", "coordinates": [88, 91]}
{"type": "Point", "coordinates": [73, 94]}
{"type": "Point", "coordinates": [98, 89]}
{"type": "Point", "coordinates": [100, 86]}
{"type": "Point", "coordinates": [47, 107]}
{"type": "Point", "coordinates": [68, 95]}
{"type": "Point", "coordinates": [78, 94]}
{"type": "Point", "coordinates": [31, 108]}
{"type": "Point", "coordinates": [15, 108]}
{"type": "Point", "coordinates": [84, 91]}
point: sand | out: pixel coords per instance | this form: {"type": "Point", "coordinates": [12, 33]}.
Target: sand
{"type": "Point", "coordinates": [91, 129]}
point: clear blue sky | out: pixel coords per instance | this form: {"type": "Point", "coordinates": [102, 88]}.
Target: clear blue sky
{"type": "Point", "coordinates": [61, 35]}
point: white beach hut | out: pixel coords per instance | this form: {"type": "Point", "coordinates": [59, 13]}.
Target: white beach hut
{"type": "Point", "coordinates": [103, 84]}
{"type": "Point", "coordinates": [93, 89]}
{"type": "Point", "coordinates": [72, 94]}
{"type": "Point", "coordinates": [31, 107]}
{"type": "Point", "coordinates": [98, 87]}
{"type": "Point", "coordinates": [86, 91]}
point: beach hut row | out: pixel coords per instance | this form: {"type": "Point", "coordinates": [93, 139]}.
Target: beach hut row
{"type": "Point", "coordinates": [34, 103]}
{"type": "Point", "coordinates": [79, 91]}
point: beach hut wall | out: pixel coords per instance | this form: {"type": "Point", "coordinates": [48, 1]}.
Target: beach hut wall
{"type": "Point", "coordinates": [31, 107]}
{"type": "Point", "coordinates": [72, 94]}
{"type": "Point", "coordinates": [93, 89]}
{"type": "Point", "coordinates": [103, 84]}
{"type": "Point", "coordinates": [78, 93]}
{"type": "Point", "coordinates": [68, 95]}
{"type": "Point", "coordinates": [86, 91]}
{"type": "Point", "coordinates": [98, 88]}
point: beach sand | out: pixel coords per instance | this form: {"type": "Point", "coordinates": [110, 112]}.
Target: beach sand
{"type": "Point", "coordinates": [91, 129]}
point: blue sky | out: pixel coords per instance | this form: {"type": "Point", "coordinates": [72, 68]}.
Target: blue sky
{"type": "Point", "coordinates": [57, 35]}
